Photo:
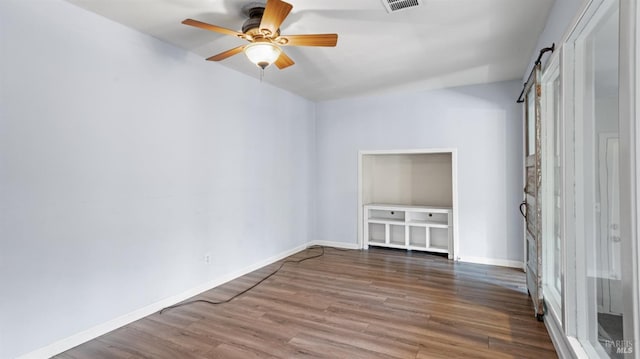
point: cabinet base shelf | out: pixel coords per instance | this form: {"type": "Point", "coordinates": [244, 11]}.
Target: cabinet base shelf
{"type": "Point", "coordinates": [412, 248]}
{"type": "Point", "coordinates": [418, 228]}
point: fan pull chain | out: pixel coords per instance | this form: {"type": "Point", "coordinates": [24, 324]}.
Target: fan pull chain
{"type": "Point", "coordinates": [261, 74]}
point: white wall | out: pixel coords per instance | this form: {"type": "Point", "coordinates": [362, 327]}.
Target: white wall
{"type": "Point", "coordinates": [483, 122]}
{"type": "Point", "coordinates": [561, 16]}
{"type": "Point", "coordinates": [123, 160]}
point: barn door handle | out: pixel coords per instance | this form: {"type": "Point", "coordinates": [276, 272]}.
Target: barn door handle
{"type": "Point", "coordinates": [523, 209]}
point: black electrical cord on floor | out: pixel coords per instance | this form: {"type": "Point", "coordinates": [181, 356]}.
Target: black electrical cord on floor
{"type": "Point", "coordinates": [254, 285]}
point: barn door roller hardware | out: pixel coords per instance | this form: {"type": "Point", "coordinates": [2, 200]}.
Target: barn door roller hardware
{"type": "Point", "coordinates": [542, 52]}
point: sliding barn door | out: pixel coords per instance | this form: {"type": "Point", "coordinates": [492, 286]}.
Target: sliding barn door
{"type": "Point", "coordinates": [532, 200]}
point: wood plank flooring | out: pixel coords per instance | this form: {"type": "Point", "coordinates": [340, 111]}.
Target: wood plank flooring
{"type": "Point", "coordinates": [378, 303]}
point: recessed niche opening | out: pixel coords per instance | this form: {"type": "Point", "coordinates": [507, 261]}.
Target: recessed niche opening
{"type": "Point", "coordinates": [410, 178]}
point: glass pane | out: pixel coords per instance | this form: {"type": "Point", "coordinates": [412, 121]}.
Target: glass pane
{"type": "Point", "coordinates": [556, 246]}
{"type": "Point", "coordinates": [531, 122]}
{"type": "Point", "coordinates": [552, 260]}
{"type": "Point", "coordinates": [598, 58]}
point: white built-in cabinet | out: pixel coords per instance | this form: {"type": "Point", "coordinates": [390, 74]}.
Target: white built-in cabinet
{"type": "Point", "coordinates": [422, 228]}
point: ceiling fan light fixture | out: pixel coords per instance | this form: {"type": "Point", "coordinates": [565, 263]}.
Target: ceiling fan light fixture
{"type": "Point", "coordinates": [262, 54]}
{"type": "Point", "coordinates": [262, 31]}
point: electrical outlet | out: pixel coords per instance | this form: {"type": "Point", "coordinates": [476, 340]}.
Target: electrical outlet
{"type": "Point", "coordinates": [207, 258]}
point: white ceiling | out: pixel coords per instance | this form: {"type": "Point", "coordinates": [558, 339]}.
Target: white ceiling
{"type": "Point", "coordinates": [442, 43]}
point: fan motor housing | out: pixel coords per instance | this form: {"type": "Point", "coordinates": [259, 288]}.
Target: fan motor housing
{"type": "Point", "coordinates": [251, 26]}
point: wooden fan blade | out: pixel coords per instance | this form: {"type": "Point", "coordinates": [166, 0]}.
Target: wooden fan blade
{"type": "Point", "coordinates": [228, 53]}
{"type": "Point", "coordinates": [329, 40]}
{"type": "Point", "coordinates": [214, 28]}
{"type": "Point", "coordinates": [274, 14]}
{"type": "Point", "coordinates": [284, 61]}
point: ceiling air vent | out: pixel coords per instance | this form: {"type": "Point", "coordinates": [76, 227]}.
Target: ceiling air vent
{"type": "Point", "coordinates": [397, 5]}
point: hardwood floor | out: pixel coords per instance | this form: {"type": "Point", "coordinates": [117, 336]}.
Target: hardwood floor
{"type": "Point", "coordinates": [378, 303]}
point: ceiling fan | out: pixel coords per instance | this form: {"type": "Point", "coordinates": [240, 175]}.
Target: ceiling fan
{"type": "Point", "coordinates": [262, 30]}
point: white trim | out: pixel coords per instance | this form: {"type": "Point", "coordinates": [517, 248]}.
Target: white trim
{"type": "Point", "coordinates": [415, 151]}
{"type": "Point", "coordinates": [576, 348]}
{"type": "Point", "coordinates": [454, 199]}
{"type": "Point", "coordinates": [558, 338]}
{"type": "Point", "coordinates": [635, 102]}
{"type": "Point", "coordinates": [454, 187]}
{"type": "Point", "coordinates": [582, 12]}
{"type": "Point", "coordinates": [360, 204]}
{"type": "Point", "coordinates": [493, 261]}
{"type": "Point", "coordinates": [101, 329]}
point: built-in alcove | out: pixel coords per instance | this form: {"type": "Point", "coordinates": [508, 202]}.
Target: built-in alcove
{"type": "Point", "coordinates": [407, 200]}
{"type": "Point", "coordinates": [421, 179]}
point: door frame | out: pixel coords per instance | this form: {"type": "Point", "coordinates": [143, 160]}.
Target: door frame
{"type": "Point", "coordinates": [629, 50]}
{"type": "Point", "coordinates": [454, 187]}
{"type": "Point", "coordinates": [554, 301]}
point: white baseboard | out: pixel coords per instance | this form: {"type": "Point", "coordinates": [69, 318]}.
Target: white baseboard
{"type": "Point", "coordinates": [335, 244]}
{"type": "Point", "coordinates": [493, 262]}
{"type": "Point", "coordinates": [101, 329]}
